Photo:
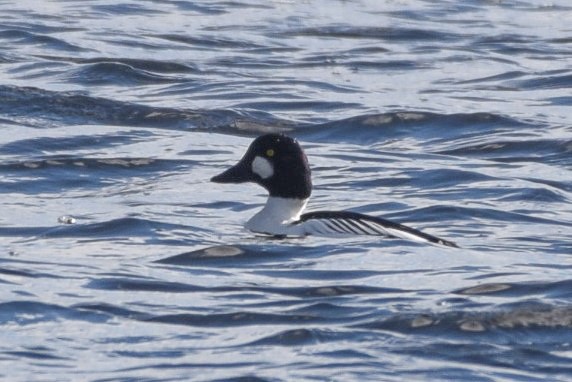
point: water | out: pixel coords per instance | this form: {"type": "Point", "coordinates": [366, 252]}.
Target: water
{"type": "Point", "coordinates": [452, 117]}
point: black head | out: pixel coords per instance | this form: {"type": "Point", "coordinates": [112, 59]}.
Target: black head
{"type": "Point", "coordinates": [277, 163]}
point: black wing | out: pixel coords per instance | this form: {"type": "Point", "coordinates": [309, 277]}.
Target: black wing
{"type": "Point", "coordinates": [353, 223]}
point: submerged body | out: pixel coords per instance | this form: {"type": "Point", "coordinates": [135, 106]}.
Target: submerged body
{"type": "Point", "coordinates": [278, 163]}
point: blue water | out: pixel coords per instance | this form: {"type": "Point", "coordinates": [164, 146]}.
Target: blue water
{"type": "Point", "coordinates": [120, 261]}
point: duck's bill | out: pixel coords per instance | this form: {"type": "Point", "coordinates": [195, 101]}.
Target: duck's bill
{"type": "Point", "coordinates": [238, 173]}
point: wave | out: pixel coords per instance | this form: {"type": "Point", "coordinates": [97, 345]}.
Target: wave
{"type": "Point", "coordinates": [115, 228]}
{"type": "Point", "coordinates": [42, 108]}
{"type": "Point", "coordinates": [541, 150]}
{"type": "Point", "coordinates": [33, 312]}
{"type": "Point", "coordinates": [60, 174]}
{"type": "Point", "coordinates": [151, 285]}
{"type": "Point", "coordinates": [424, 126]}
{"type": "Point", "coordinates": [116, 73]}
{"type": "Point", "coordinates": [23, 37]}
{"type": "Point", "coordinates": [530, 315]}
{"type": "Point", "coordinates": [378, 33]}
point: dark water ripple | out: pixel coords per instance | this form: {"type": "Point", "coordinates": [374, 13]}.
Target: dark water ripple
{"type": "Point", "coordinates": [22, 37]}
{"type": "Point", "coordinates": [59, 174]}
{"type": "Point", "coordinates": [377, 33]}
{"type": "Point", "coordinates": [143, 65]}
{"type": "Point", "coordinates": [32, 312]}
{"type": "Point", "coordinates": [121, 262]}
{"type": "Point", "coordinates": [27, 104]}
{"type": "Point", "coordinates": [116, 73]}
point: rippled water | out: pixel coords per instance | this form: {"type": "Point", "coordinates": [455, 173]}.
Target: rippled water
{"type": "Point", "coordinates": [453, 117]}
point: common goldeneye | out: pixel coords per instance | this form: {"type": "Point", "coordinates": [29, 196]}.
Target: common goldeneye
{"type": "Point", "coordinates": [278, 163]}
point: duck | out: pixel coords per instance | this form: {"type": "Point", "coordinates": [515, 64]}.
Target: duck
{"type": "Point", "coordinates": [278, 163]}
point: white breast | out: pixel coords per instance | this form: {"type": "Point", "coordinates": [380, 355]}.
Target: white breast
{"type": "Point", "coordinates": [277, 215]}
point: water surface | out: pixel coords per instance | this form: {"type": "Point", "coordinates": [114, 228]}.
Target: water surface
{"type": "Point", "coordinates": [450, 117]}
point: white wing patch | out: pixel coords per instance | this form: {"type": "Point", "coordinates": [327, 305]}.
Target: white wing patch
{"type": "Point", "coordinates": [350, 227]}
{"type": "Point", "coordinates": [348, 223]}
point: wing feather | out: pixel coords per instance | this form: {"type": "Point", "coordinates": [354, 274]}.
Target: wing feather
{"type": "Point", "coordinates": [334, 225]}
{"type": "Point", "coordinates": [350, 227]}
{"type": "Point", "coordinates": [353, 223]}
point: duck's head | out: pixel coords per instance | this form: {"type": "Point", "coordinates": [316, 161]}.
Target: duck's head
{"type": "Point", "coordinates": [277, 163]}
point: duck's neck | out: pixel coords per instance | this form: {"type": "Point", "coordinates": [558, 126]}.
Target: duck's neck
{"type": "Point", "coordinates": [276, 215]}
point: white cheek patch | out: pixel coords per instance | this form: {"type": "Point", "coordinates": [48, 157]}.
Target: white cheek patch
{"type": "Point", "coordinates": [262, 167]}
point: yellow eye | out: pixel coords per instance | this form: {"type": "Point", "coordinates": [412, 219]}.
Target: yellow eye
{"type": "Point", "coordinates": [270, 153]}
